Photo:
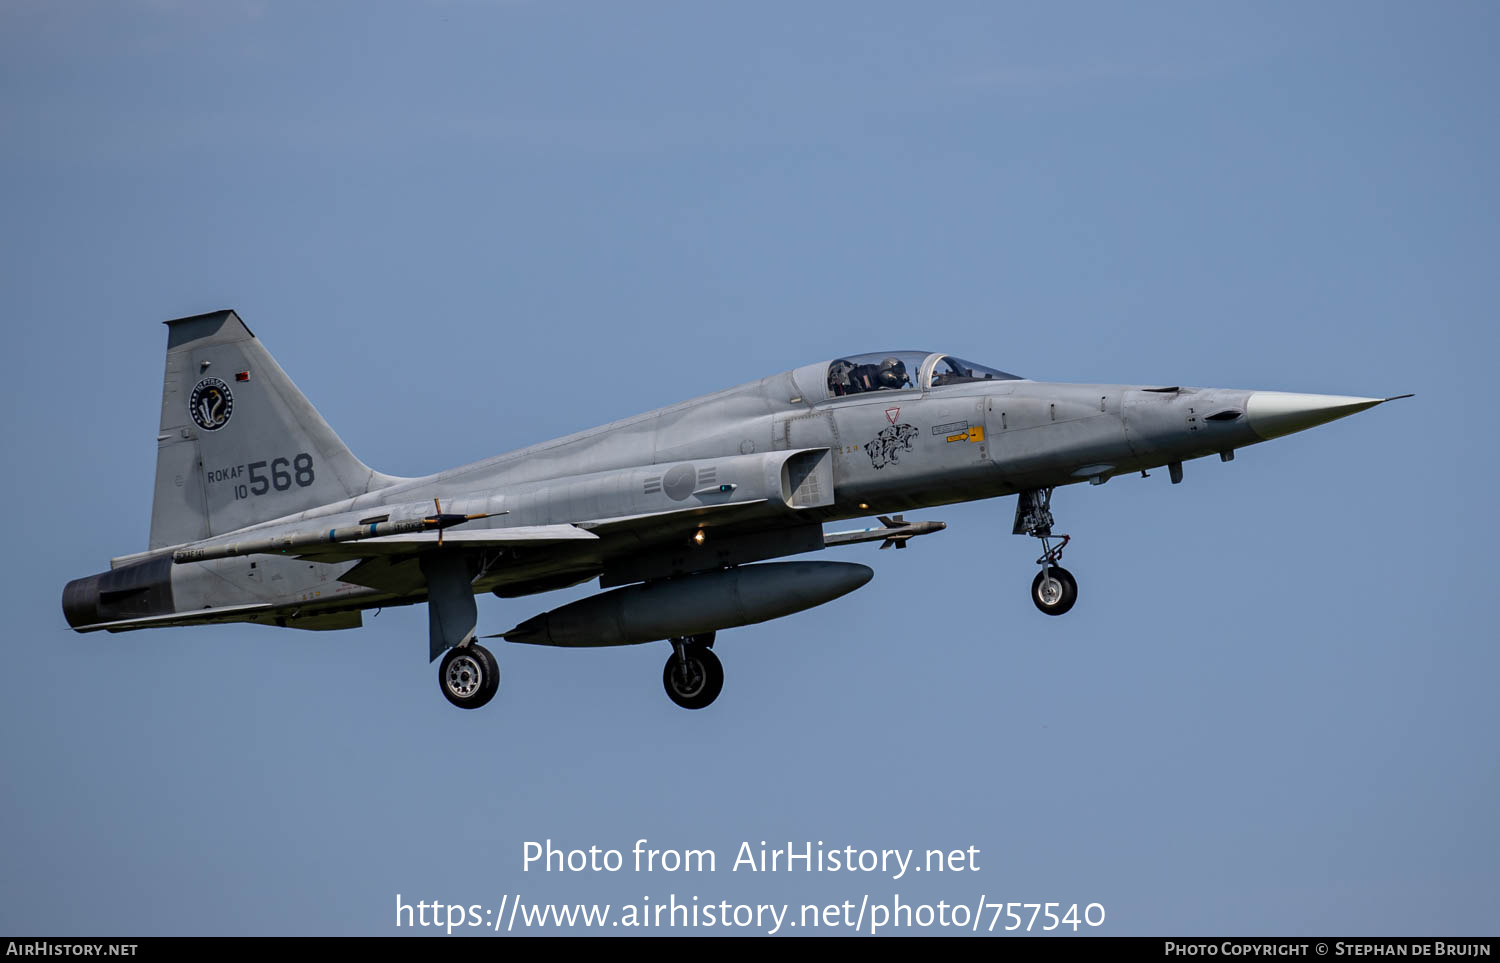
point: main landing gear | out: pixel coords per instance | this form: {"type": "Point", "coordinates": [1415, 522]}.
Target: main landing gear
{"type": "Point", "coordinates": [693, 675]}
{"type": "Point", "coordinates": [469, 675]}
{"type": "Point", "coordinates": [1054, 590]}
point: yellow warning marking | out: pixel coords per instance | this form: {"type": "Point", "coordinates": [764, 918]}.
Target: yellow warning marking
{"type": "Point", "coordinates": [975, 433]}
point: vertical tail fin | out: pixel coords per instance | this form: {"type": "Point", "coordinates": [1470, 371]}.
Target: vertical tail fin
{"type": "Point", "coordinates": [239, 444]}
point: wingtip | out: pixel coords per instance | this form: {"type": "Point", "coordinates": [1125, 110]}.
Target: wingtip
{"type": "Point", "coordinates": [1412, 394]}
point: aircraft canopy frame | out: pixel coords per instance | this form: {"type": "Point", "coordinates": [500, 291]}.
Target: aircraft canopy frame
{"type": "Point", "coordinates": [849, 375]}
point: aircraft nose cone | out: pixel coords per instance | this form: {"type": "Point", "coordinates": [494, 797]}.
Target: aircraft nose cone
{"type": "Point", "coordinates": [1275, 413]}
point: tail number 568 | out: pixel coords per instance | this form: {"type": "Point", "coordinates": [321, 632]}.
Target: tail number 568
{"type": "Point", "coordinates": [283, 474]}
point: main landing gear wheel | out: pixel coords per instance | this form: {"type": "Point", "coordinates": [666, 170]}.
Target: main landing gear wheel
{"type": "Point", "coordinates": [469, 676]}
{"type": "Point", "coordinates": [1054, 590]}
{"type": "Point", "coordinates": [693, 675]}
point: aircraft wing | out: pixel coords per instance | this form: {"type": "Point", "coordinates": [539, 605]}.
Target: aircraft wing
{"type": "Point", "coordinates": [585, 535]}
{"type": "Point", "coordinates": [653, 525]}
{"type": "Point", "coordinates": [415, 542]}
{"type": "Point", "coordinates": [573, 552]}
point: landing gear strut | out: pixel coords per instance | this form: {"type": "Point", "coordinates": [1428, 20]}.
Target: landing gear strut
{"type": "Point", "coordinates": [469, 675]}
{"type": "Point", "coordinates": [693, 675]}
{"type": "Point", "coordinates": [1054, 590]}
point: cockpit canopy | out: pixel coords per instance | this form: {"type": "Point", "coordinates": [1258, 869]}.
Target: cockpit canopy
{"type": "Point", "coordinates": [949, 370]}
{"type": "Point", "coordinates": [904, 370]}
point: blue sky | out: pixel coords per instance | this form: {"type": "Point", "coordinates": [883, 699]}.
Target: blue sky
{"type": "Point", "coordinates": [465, 227]}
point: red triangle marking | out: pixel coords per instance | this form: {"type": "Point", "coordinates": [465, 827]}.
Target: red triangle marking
{"type": "Point", "coordinates": [891, 413]}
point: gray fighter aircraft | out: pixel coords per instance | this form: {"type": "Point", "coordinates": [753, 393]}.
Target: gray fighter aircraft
{"type": "Point", "coordinates": [261, 514]}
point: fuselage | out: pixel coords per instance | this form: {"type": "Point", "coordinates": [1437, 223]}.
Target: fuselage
{"type": "Point", "coordinates": [789, 450]}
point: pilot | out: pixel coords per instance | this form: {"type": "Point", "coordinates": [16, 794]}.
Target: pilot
{"type": "Point", "coordinates": [888, 374]}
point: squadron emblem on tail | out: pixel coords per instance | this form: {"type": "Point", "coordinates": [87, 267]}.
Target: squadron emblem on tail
{"type": "Point", "coordinates": [211, 404]}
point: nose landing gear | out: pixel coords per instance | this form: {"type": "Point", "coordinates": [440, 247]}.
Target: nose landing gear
{"type": "Point", "coordinates": [1054, 590]}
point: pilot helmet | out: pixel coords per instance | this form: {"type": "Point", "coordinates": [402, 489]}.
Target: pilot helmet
{"type": "Point", "coordinates": [892, 373]}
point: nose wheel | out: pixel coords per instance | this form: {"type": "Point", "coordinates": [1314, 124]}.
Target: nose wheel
{"type": "Point", "coordinates": [693, 675]}
{"type": "Point", "coordinates": [1054, 590]}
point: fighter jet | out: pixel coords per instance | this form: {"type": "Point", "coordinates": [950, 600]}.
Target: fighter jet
{"type": "Point", "coordinates": [261, 514]}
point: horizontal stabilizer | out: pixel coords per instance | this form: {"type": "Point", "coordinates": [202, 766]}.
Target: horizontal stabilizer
{"type": "Point", "coordinates": [224, 613]}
